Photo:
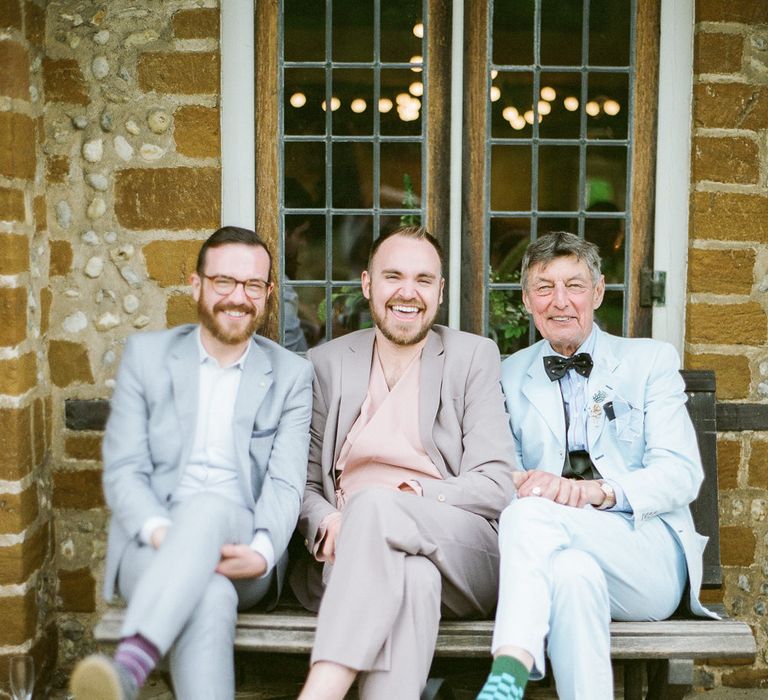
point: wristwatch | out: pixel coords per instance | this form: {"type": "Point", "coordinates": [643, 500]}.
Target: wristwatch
{"type": "Point", "coordinates": [610, 496]}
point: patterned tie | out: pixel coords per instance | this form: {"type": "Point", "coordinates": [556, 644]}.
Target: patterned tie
{"type": "Point", "coordinates": [556, 366]}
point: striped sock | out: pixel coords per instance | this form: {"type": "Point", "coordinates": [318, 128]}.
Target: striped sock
{"type": "Point", "coordinates": [506, 681]}
{"type": "Point", "coordinates": [138, 656]}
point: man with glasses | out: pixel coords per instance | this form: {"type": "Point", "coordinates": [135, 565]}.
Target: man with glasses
{"type": "Point", "coordinates": [205, 457]}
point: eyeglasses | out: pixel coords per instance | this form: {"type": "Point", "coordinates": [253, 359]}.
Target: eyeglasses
{"type": "Point", "coordinates": [223, 285]}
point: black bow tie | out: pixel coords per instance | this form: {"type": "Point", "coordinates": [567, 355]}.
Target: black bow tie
{"type": "Point", "coordinates": [556, 366]}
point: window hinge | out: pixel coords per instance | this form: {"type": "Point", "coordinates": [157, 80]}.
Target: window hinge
{"type": "Point", "coordinates": [653, 287]}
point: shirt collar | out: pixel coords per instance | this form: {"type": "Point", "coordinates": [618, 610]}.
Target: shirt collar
{"type": "Point", "coordinates": [205, 357]}
{"type": "Point", "coordinates": [587, 346]}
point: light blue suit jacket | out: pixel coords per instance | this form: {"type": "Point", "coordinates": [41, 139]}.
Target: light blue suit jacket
{"type": "Point", "coordinates": [150, 434]}
{"type": "Point", "coordinates": [651, 451]}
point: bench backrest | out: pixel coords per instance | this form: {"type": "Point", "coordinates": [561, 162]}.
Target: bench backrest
{"type": "Point", "coordinates": [700, 387]}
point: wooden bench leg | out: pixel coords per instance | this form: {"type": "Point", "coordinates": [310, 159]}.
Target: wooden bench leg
{"type": "Point", "coordinates": [633, 680]}
{"type": "Point", "coordinates": [669, 679]}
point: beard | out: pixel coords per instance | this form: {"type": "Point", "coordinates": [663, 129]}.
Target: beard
{"type": "Point", "coordinates": [219, 330]}
{"type": "Point", "coordinates": [396, 332]}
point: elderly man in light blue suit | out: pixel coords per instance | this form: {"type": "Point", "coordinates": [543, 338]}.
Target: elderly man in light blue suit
{"type": "Point", "coordinates": [205, 458]}
{"type": "Point", "coordinates": [600, 527]}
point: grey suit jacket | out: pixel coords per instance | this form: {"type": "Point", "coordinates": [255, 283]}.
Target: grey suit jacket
{"type": "Point", "coordinates": [150, 434]}
{"type": "Point", "coordinates": [463, 426]}
{"type": "Point", "coordinates": [650, 451]}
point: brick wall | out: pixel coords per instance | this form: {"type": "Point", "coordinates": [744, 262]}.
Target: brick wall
{"type": "Point", "coordinates": [133, 185]}
{"type": "Point", "coordinates": [26, 583]}
{"type": "Point", "coordinates": [727, 325]}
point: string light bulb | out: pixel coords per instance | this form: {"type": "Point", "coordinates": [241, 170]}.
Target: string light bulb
{"type": "Point", "coordinates": [298, 99]}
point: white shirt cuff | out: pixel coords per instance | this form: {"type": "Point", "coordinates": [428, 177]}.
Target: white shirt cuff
{"type": "Point", "coordinates": [262, 543]}
{"type": "Point", "coordinates": [622, 504]}
{"type": "Point", "coordinates": [150, 525]}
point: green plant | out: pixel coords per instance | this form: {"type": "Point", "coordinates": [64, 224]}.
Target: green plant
{"type": "Point", "coordinates": [507, 317]}
{"type": "Point", "coordinates": [348, 305]}
{"type": "Point", "coordinates": [410, 201]}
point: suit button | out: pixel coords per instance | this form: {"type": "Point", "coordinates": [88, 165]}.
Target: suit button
{"type": "Point", "coordinates": [306, 543]}
{"type": "Point", "coordinates": [441, 498]}
{"type": "Point", "coordinates": [168, 498]}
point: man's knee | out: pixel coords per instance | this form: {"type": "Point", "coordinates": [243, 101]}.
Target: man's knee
{"type": "Point", "coordinates": [576, 576]}
{"type": "Point", "coordinates": [371, 508]}
{"type": "Point", "coordinates": [525, 514]}
{"type": "Point", "coordinates": [218, 604]}
{"type": "Point", "coordinates": [422, 580]}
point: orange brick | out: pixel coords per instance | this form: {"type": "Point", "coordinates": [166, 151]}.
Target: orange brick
{"type": "Point", "coordinates": [728, 461]}
{"type": "Point", "coordinates": [18, 375]}
{"type": "Point", "coordinates": [39, 431]}
{"type": "Point", "coordinates": [181, 309]}
{"type": "Point", "coordinates": [201, 23]}
{"type": "Point", "coordinates": [69, 363]}
{"type": "Point", "coordinates": [19, 614]}
{"type": "Point", "coordinates": [41, 214]}
{"type": "Point", "coordinates": [34, 21]}
{"type": "Point", "coordinates": [733, 160]}
{"type": "Point", "coordinates": [46, 297]}
{"type": "Point", "coordinates": [721, 271]}
{"type": "Point", "coordinates": [10, 14]}
{"type": "Point", "coordinates": [717, 53]}
{"type": "Point", "coordinates": [18, 561]}
{"type": "Point", "coordinates": [197, 131]}
{"type": "Point", "coordinates": [77, 590]}
{"type": "Point", "coordinates": [730, 324]}
{"type": "Point", "coordinates": [57, 168]}
{"type": "Point", "coordinates": [171, 262]}
{"type": "Point", "coordinates": [755, 678]}
{"type": "Point", "coordinates": [730, 106]}
{"type": "Point", "coordinates": [15, 443]}
{"type": "Point", "coordinates": [758, 464]}
{"type": "Point", "coordinates": [79, 489]}
{"type": "Point", "coordinates": [14, 78]}
{"type": "Point", "coordinates": [17, 146]}
{"type": "Point", "coordinates": [729, 216]}
{"type": "Point", "coordinates": [18, 510]}
{"type": "Point", "coordinates": [732, 373]}
{"type": "Point", "coordinates": [14, 254]}
{"type": "Point", "coordinates": [61, 258]}
{"type": "Point", "coordinates": [737, 545]}
{"type": "Point", "coordinates": [13, 315]}
{"type": "Point", "coordinates": [169, 198]}
{"type": "Point", "coordinates": [63, 81]}
{"type": "Point", "coordinates": [179, 73]}
{"type": "Point", "coordinates": [84, 446]}
{"type": "Point", "coordinates": [11, 204]}
{"type": "Point", "coordinates": [744, 11]}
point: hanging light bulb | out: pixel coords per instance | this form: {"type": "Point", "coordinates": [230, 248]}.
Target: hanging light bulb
{"type": "Point", "coordinates": [592, 108]}
{"type": "Point", "coordinates": [335, 104]}
{"type": "Point", "coordinates": [548, 94]}
{"type": "Point", "coordinates": [495, 93]}
{"type": "Point", "coordinates": [611, 107]}
{"type": "Point", "coordinates": [544, 107]}
{"type": "Point", "coordinates": [358, 106]}
{"type": "Point", "coordinates": [416, 88]}
{"type": "Point", "coordinates": [418, 30]}
{"type": "Point", "coordinates": [385, 105]}
{"type": "Point", "coordinates": [571, 104]}
{"type": "Point", "coordinates": [298, 99]}
{"type": "Point", "coordinates": [509, 113]}
{"type": "Point", "coordinates": [416, 61]}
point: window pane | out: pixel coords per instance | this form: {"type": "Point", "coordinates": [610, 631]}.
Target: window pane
{"type": "Point", "coordinates": [509, 239]}
{"type": "Point", "coordinates": [547, 224]}
{"type": "Point", "coordinates": [353, 30]}
{"type": "Point", "coordinates": [510, 178]}
{"type": "Point", "coordinates": [609, 32]}
{"type": "Point", "coordinates": [513, 32]}
{"type": "Point", "coordinates": [606, 176]}
{"type": "Point", "coordinates": [610, 93]}
{"type": "Point", "coordinates": [399, 107]}
{"type": "Point", "coordinates": [507, 320]}
{"type": "Point", "coordinates": [401, 175]}
{"type": "Point", "coordinates": [302, 40]}
{"type": "Point", "coordinates": [608, 235]}
{"type": "Point", "coordinates": [352, 237]}
{"type": "Point", "coordinates": [399, 40]}
{"type": "Point", "coordinates": [561, 24]}
{"type": "Point", "coordinates": [559, 178]}
{"type": "Point", "coordinates": [304, 247]}
{"type": "Point", "coordinates": [610, 315]}
{"type": "Point", "coordinates": [354, 91]}
{"type": "Point", "coordinates": [559, 102]}
{"type": "Point", "coordinates": [352, 175]}
{"type": "Point", "coordinates": [304, 93]}
{"type": "Point", "coordinates": [311, 312]}
{"type": "Point", "coordinates": [508, 112]}
{"type": "Point", "coordinates": [349, 310]}
{"type": "Point", "coordinates": [305, 163]}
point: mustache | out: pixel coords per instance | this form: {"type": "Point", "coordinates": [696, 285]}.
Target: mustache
{"type": "Point", "coordinates": [399, 301]}
{"type": "Point", "coordinates": [225, 306]}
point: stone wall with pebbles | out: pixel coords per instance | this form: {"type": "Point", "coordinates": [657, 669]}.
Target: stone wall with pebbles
{"type": "Point", "coordinates": [131, 142]}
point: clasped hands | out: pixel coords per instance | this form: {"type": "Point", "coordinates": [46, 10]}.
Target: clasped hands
{"type": "Point", "coordinates": [567, 492]}
{"type": "Point", "coordinates": [237, 561]}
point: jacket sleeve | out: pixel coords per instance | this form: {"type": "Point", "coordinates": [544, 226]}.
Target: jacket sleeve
{"type": "Point", "coordinates": [484, 484]}
{"type": "Point", "coordinates": [127, 460]}
{"type": "Point", "coordinates": [277, 507]}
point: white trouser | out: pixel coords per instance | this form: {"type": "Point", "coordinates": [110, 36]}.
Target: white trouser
{"type": "Point", "coordinates": [179, 603]}
{"type": "Point", "coordinates": [565, 572]}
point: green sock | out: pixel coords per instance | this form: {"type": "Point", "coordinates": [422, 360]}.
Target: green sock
{"type": "Point", "coordinates": [506, 681]}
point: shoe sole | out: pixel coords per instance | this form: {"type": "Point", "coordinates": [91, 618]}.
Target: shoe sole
{"type": "Point", "coordinates": [95, 678]}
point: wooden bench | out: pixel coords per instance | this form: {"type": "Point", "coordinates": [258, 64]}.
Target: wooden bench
{"type": "Point", "coordinates": [657, 656]}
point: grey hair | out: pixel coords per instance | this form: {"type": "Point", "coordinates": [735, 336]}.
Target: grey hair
{"type": "Point", "coordinates": [560, 244]}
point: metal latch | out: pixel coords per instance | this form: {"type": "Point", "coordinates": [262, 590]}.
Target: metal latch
{"type": "Point", "coordinates": [653, 287]}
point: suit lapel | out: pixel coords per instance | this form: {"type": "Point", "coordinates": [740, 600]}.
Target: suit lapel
{"type": "Point", "coordinates": [430, 384]}
{"type": "Point", "coordinates": [544, 395]}
{"type": "Point", "coordinates": [184, 366]}
{"type": "Point", "coordinates": [600, 387]}
{"type": "Point", "coordinates": [355, 376]}
{"type": "Point", "coordinates": [255, 382]}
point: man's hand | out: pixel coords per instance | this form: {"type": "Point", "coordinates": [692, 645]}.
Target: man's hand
{"type": "Point", "coordinates": [157, 536]}
{"type": "Point", "coordinates": [240, 561]}
{"type": "Point", "coordinates": [568, 492]}
{"type": "Point", "coordinates": [328, 545]}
